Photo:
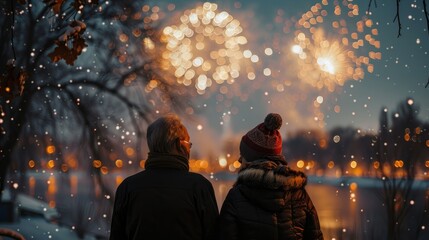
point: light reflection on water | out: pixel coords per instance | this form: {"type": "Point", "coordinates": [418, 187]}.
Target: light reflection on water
{"type": "Point", "coordinates": [347, 209]}
{"type": "Point", "coordinates": [352, 208]}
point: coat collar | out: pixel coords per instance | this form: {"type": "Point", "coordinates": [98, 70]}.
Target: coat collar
{"type": "Point", "coordinates": [165, 160]}
{"type": "Point", "coordinates": [272, 176]}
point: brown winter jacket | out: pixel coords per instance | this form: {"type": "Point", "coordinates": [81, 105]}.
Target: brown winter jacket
{"type": "Point", "coordinates": [269, 202]}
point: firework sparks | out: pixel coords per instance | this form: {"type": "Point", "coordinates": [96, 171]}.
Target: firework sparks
{"type": "Point", "coordinates": [206, 48]}
{"type": "Point", "coordinates": [328, 61]}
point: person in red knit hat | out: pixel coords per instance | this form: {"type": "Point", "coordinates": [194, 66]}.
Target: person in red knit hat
{"type": "Point", "coordinates": [268, 200]}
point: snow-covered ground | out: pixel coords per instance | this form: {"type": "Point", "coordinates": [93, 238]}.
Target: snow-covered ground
{"type": "Point", "coordinates": [38, 228]}
{"type": "Point", "coordinates": [34, 219]}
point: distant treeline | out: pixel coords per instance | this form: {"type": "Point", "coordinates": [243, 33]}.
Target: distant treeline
{"type": "Point", "coordinates": [401, 142]}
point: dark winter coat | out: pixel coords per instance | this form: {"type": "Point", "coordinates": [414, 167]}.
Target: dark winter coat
{"type": "Point", "coordinates": [165, 201]}
{"type": "Point", "coordinates": [269, 202]}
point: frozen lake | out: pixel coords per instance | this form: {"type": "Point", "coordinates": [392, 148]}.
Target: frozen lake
{"type": "Point", "coordinates": [348, 208]}
{"type": "Point", "coordinates": [351, 208]}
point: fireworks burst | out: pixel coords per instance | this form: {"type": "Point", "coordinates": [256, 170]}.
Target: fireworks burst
{"type": "Point", "coordinates": [330, 60]}
{"type": "Point", "coordinates": [206, 48]}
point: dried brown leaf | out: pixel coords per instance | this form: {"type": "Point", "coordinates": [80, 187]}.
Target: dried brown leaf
{"type": "Point", "coordinates": [79, 44]}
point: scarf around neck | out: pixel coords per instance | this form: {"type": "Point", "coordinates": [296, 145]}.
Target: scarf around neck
{"type": "Point", "coordinates": [166, 160]}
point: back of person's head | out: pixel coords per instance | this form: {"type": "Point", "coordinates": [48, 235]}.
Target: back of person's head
{"type": "Point", "coordinates": [164, 134]}
{"type": "Point", "coordinates": [263, 140]}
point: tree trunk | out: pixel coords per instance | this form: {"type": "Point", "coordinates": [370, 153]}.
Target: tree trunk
{"type": "Point", "coordinates": [13, 125]}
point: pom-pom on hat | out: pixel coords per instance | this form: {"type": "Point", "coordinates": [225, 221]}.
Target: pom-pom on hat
{"type": "Point", "coordinates": [263, 140]}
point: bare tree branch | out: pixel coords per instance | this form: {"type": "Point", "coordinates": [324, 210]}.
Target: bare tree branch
{"type": "Point", "coordinates": [84, 113]}
{"type": "Point", "coordinates": [398, 18]}
{"type": "Point", "coordinates": [12, 27]}
{"type": "Point", "coordinates": [369, 5]}
{"type": "Point", "coordinates": [427, 84]}
{"type": "Point", "coordinates": [425, 9]}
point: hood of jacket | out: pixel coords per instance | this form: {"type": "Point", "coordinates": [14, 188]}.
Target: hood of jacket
{"type": "Point", "coordinates": [269, 184]}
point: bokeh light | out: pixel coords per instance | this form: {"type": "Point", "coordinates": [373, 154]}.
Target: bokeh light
{"type": "Point", "coordinates": [206, 48]}
{"type": "Point", "coordinates": [329, 44]}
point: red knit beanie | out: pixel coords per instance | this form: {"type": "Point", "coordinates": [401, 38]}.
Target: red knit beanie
{"type": "Point", "coordinates": [263, 140]}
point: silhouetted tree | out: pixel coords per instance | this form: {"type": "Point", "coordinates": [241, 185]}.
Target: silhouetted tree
{"type": "Point", "coordinates": [308, 145]}
{"type": "Point", "coordinates": [101, 102]}
{"type": "Point", "coordinates": [366, 150]}
{"type": "Point", "coordinates": [399, 8]}
{"type": "Point", "coordinates": [342, 145]}
{"type": "Point", "coordinates": [399, 149]}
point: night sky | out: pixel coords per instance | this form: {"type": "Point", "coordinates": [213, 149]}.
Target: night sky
{"type": "Point", "coordinates": [289, 88]}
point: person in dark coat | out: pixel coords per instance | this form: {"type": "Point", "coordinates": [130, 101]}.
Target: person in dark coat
{"type": "Point", "coordinates": [165, 201]}
{"type": "Point", "coordinates": [268, 200]}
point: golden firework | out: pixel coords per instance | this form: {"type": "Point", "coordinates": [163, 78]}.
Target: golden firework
{"type": "Point", "coordinates": [205, 47]}
{"type": "Point", "coordinates": [328, 60]}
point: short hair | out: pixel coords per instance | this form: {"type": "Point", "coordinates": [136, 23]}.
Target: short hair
{"type": "Point", "coordinates": [163, 133]}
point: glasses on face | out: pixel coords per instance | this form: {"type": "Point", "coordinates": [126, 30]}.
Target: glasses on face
{"type": "Point", "coordinates": [187, 142]}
